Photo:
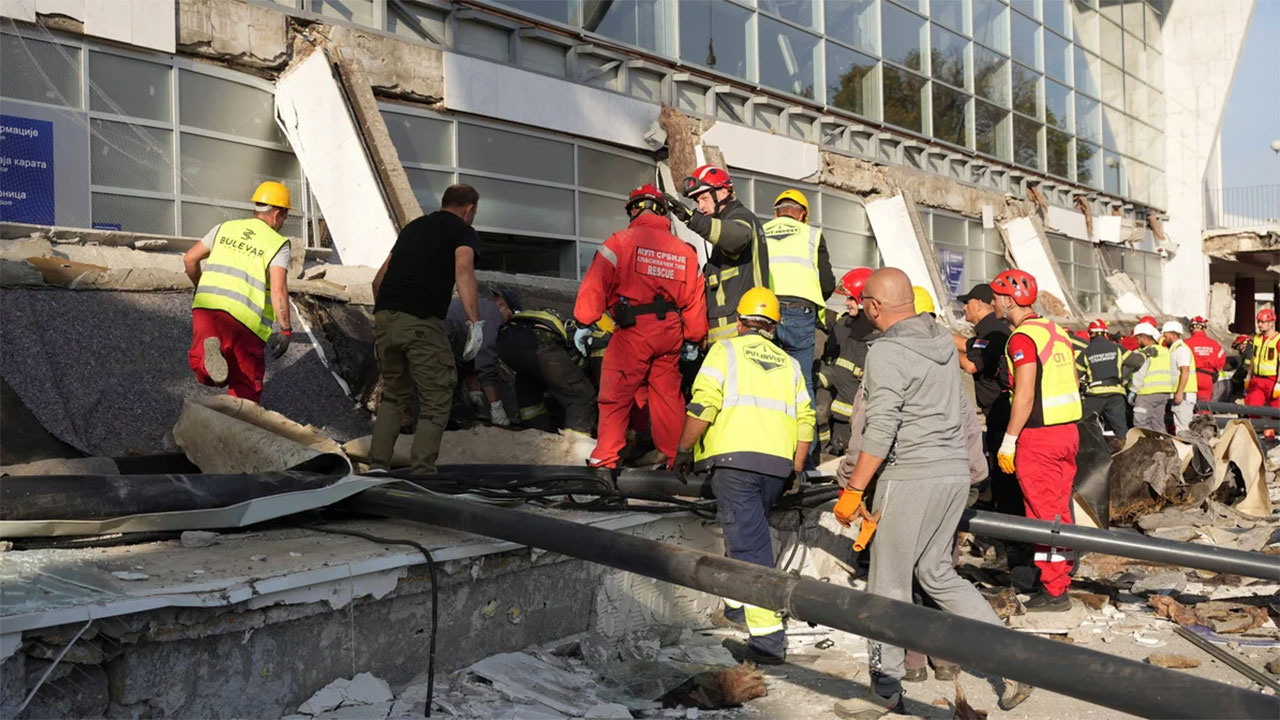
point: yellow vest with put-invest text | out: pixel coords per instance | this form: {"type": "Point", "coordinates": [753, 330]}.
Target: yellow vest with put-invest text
{"type": "Point", "coordinates": [235, 278]}
{"type": "Point", "coordinates": [1158, 379]}
{"type": "Point", "coordinates": [793, 259]}
{"type": "Point", "coordinates": [1059, 385]}
{"type": "Point", "coordinates": [754, 396]}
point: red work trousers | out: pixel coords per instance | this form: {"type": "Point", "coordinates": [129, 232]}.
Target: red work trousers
{"type": "Point", "coordinates": [644, 355]}
{"type": "Point", "coordinates": [240, 347]}
{"type": "Point", "coordinates": [1045, 465]}
{"type": "Point", "coordinates": [1259, 392]}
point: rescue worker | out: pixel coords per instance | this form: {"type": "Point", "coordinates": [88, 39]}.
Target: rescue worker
{"type": "Point", "coordinates": [1243, 346]}
{"type": "Point", "coordinates": [1130, 342]}
{"type": "Point", "coordinates": [1185, 380]}
{"type": "Point", "coordinates": [915, 439]}
{"type": "Point", "coordinates": [750, 422]}
{"type": "Point", "coordinates": [535, 345]}
{"type": "Point", "coordinates": [1101, 365]}
{"type": "Point", "coordinates": [411, 293]}
{"type": "Point", "coordinates": [800, 275]}
{"type": "Point", "coordinates": [1041, 440]}
{"type": "Point", "coordinates": [241, 292]}
{"type": "Point", "coordinates": [738, 259]}
{"type": "Point", "coordinates": [1262, 390]}
{"type": "Point", "coordinates": [1211, 363]}
{"type": "Point", "coordinates": [844, 355]}
{"type": "Point", "coordinates": [1152, 384]}
{"type": "Point", "coordinates": [480, 380]}
{"type": "Point", "coordinates": [648, 281]}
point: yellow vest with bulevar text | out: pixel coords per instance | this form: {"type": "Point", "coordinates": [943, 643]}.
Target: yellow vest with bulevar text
{"type": "Point", "coordinates": [1158, 380]}
{"type": "Point", "coordinates": [793, 259]}
{"type": "Point", "coordinates": [754, 397]}
{"type": "Point", "coordinates": [1175, 371]}
{"type": "Point", "coordinates": [1266, 348]}
{"type": "Point", "coordinates": [1059, 392]}
{"type": "Point", "coordinates": [235, 277]}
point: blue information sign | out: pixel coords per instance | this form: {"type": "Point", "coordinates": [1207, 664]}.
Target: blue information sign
{"type": "Point", "coordinates": [26, 170]}
{"type": "Point", "coordinates": [952, 269]}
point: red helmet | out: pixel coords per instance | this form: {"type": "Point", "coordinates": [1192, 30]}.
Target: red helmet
{"type": "Point", "coordinates": [1097, 326]}
{"type": "Point", "coordinates": [854, 282]}
{"type": "Point", "coordinates": [1198, 321]}
{"type": "Point", "coordinates": [706, 177]}
{"type": "Point", "coordinates": [1240, 341]}
{"type": "Point", "coordinates": [1266, 315]}
{"type": "Point", "coordinates": [1017, 284]}
{"type": "Point", "coordinates": [1148, 319]}
{"type": "Point", "coordinates": [647, 197]}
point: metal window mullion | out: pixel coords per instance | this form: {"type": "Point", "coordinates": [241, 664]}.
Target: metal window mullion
{"type": "Point", "coordinates": [175, 106]}
{"type": "Point", "coordinates": [131, 192]}
{"type": "Point", "coordinates": [129, 120]}
{"type": "Point", "coordinates": [577, 230]}
{"type": "Point", "coordinates": [238, 139]}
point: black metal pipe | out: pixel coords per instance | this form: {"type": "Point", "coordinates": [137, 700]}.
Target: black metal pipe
{"type": "Point", "coordinates": [1110, 542]}
{"type": "Point", "coordinates": [1098, 678]}
{"type": "Point", "coordinates": [1234, 409]}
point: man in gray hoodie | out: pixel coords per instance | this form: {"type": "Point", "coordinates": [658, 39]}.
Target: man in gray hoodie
{"type": "Point", "coordinates": [915, 430]}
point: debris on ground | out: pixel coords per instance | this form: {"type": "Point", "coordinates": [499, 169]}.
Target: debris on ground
{"type": "Point", "coordinates": [130, 575]}
{"type": "Point", "coordinates": [1170, 660]}
{"type": "Point", "coordinates": [963, 710]}
{"type": "Point", "coordinates": [197, 538]}
{"type": "Point", "coordinates": [1167, 583]}
{"type": "Point", "coordinates": [362, 690]}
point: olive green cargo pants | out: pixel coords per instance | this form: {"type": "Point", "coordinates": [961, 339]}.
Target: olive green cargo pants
{"type": "Point", "coordinates": [412, 352]}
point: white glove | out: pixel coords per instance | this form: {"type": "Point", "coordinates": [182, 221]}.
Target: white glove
{"type": "Point", "coordinates": [580, 338]}
{"type": "Point", "coordinates": [689, 352]}
{"type": "Point", "coordinates": [1008, 451]}
{"type": "Point", "coordinates": [475, 338]}
{"type": "Point", "coordinates": [498, 414]}
{"type": "Point", "coordinates": [477, 400]}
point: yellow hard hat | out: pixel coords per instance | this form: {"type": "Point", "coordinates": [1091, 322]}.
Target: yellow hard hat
{"type": "Point", "coordinates": [272, 193]}
{"type": "Point", "coordinates": [759, 302]}
{"type": "Point", "coordinates": [605, 323]}
{"type": "Point", "coordinates": [924, 301]}
{"type": "Point", "coordinates": [794, 196]}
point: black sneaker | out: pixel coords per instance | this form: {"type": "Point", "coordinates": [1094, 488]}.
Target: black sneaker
{"type": "Point", "coordinates": [742, 652]}
{"type": "Point", "coordinates": [1044, 602]}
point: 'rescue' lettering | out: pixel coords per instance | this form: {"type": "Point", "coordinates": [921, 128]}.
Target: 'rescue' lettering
{"type": "Point", "coordinates": [660, 264]}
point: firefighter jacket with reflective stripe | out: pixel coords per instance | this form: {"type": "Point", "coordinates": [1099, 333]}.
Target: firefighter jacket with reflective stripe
{"type": "Point", "coordinates": [1100, 364]}
{"type": "Point", "coordinates": [754, 396]}
{"type": "Point", "coordinates": [1211, 359]}
{"type": "Point", "coordinates": [543, 320]}
{"type": "Point", "coordinates": [641, 264]}
{"type": "Point", "coordinates": [1058, 391]}
{"type": "Point", "coordinates": [739, 261]}
{"type": "Point", "coordinates": [843, 358]}
{"type": "Point", "coordinates": [235, 277]}
{"type": "Point", "coordinates": [793, 259]}
{"type": "Point", "coordinates": [1265, 355]}
{"type": "Point", "coordinates": [1175, 371]}
{"type": "Point", "coordinates": [1158, 378]}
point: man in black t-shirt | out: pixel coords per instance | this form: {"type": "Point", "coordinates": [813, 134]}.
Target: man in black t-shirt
{"type": "Point", "coordinates": [411, 298]}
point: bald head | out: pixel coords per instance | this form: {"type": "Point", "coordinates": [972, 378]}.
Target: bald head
{"type": "Point", "coordinates": [888, 297]}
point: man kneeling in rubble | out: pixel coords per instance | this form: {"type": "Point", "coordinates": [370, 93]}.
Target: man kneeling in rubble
{"type": "Point", "coordinates": [914, 427]}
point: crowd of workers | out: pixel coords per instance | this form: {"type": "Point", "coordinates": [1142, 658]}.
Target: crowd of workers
{"type": "Point", "coordinates": [738, 336]}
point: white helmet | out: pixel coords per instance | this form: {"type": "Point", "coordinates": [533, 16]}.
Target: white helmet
{"type": "Point", "coordinates": [1146, 329]}
{"type": "Point", "coordinates": [1172, 326]}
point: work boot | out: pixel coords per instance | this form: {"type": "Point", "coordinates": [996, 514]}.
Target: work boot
{"type": "Point", "coordinates": [743, 652]}
{"type": "Point", "coordinates": [215, 366]}
{"type": "Point", "coordinates": [871, 707]}
{"type": "Point", "coordinates": [1044, 602]}
{"type": "Point", "coordinates": [720, 620]}
{"type": "Point", "coordinates": [915, 675]}
{"type": "Point", "coordinates": [1014, 693]}
{"type": "Point", "coordinates": [946, 672]}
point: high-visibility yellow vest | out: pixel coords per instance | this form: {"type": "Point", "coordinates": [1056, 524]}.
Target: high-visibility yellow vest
{"type": "Point", "coordinates": [793, 259]}
{"type": "Point", "coordinates": [1265, 354]}
{"type": "Point", "coordinates": [235, 278]}
{"type": "Point", "coordinates": [543, 319]}
{"type": "Point", "coordinates": [754, 396]}
{"type": "Point", "coordinates": [1158, 379]}
{"type": "Point", "coordinates": [1058, 397]}
{"type": "Point", "coordinates": [1192, 385]}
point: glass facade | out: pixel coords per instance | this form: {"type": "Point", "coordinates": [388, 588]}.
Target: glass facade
{"type": "Point", "coordinates": [967, 253]}
{"type": "Point", "coordinates": [172, 147]}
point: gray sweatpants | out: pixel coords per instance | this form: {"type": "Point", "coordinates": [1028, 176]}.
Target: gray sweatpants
{"type": "Point", "coordinates": [1183, 413]}
{"type": "Point", "coordinates": [915, 536]}
{"type": "Point", "coordinates": [1148, 412]}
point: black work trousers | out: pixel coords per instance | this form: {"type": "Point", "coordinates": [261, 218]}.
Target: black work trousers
{"type": "Point", "coordinates": [544, 368]}
{"type": "Point", "coordinates": [1111, 410]}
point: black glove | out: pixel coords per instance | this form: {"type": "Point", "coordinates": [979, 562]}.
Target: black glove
{"type": "Point", "coordinates": [278, 344]}
{"type": "Point", "coordinates": [678, 208]}
{"type": "Point", "coordinates": [683, 464]}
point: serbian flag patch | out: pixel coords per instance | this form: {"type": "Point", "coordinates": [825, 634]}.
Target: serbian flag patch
{"type": "Point", "coordinates": [1017, 356]}
{"type": "Point", "coordinates": [980, 344]}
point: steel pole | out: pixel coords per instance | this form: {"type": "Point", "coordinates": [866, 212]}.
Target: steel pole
{"type": "Point", "coordinates": [1098, 678]}
{"type": "Point", "coordinates": [1234, 409]}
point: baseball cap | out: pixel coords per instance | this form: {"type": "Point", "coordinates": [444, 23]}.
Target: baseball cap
{"type": "Point", "coordinates": [511, 296]}
{"type": "Point", "coordinates": [981, 291]}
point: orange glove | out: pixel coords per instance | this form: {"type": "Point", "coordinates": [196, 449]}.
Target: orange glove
{"type": "Point", "coordinates": [847, 506]}
{"type": "Point", "coordinates": [1275, 391]}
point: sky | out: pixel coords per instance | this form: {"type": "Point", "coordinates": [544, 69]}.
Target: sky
{"type": "Point", "coordinates": [1252, 117]}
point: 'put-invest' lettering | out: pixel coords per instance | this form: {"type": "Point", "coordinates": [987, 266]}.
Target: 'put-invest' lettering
{"type": "Point", "coordinates": [655, 263]}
